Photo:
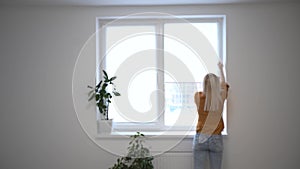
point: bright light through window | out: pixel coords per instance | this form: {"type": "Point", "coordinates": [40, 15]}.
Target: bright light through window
{"type": "Point", "coordinates": [166, 58]}
{"type": "Point", "coordinates": [179, 94]}
{"type": "Point", "coordinates": [122, 43]}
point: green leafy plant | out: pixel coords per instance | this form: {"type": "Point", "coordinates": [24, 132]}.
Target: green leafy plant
{"type": "Point", "coordinates": [101, 94]}
{"type": "Point", "coordinates": [138, 156]}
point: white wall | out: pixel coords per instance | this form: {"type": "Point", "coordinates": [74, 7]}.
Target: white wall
{"type": "Point", "coordinates": [38, 50]}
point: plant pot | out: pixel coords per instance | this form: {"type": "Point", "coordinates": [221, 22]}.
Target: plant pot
{"type": "Point", "coordinates": [104, 126]}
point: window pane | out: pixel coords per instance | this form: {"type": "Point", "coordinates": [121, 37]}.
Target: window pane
{"type": "Point", "coordinates": [181, 84]}
{"type": "Point", "coordinates": [124, 45]}
{"type": "Point", "coordinates": [210, 31]}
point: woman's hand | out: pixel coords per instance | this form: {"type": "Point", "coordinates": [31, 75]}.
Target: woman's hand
{"type": "Point", "coordinates": [220, 65]}
{"type": "Point", "coordinates": [222, 77]}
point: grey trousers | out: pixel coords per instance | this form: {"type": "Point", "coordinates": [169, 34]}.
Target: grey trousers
{"type": "Point", "coordinates": [209, 148]}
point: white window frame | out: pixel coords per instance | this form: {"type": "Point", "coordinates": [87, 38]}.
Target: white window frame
{"type": "Point", "coordinates": [158, 21]}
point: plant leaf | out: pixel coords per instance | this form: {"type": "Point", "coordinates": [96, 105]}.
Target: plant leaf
{"type": "Point", "coordinates": [105, 74]}
{"type": "Point", "coordinates": [91, 92]}
{"type": "Point", "coordinates": [99, 84]}
{"type": "Point", "coordinates": [97, 96]}
{"type": "Point", "coordinates": [92, 96]}
{"type": "Point", "coordinates": [116, 93]}
{"type": "Point", "coordinates": [113, 78]}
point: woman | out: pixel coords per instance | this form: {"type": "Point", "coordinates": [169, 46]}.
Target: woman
{"type": "Point", "coordinates": [208, 141]}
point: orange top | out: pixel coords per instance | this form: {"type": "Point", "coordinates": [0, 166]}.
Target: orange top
{"type": "Point", "coordinates": [210, 122]}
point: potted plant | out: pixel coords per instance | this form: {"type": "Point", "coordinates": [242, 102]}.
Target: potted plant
{"type": "Point", "coordinates": [138, 156]}
{"type": "Point", "coordinates": [103, 97]}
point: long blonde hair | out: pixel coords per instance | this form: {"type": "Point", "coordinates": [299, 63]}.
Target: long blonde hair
{"type": "Point", "coordinates": [211, 89]}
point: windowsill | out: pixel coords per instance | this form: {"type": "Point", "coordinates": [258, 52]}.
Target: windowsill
{"type": "Point", "coordinates": [148, 134]}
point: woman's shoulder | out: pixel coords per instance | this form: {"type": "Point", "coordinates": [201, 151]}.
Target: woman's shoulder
{"type": "Point", "coordinates": [199, 94]}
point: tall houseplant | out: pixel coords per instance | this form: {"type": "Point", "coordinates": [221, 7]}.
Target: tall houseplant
{"type": "Point", "coordinates": [138, 156]}
{"type": "Point", "coordinates": [102, 95]}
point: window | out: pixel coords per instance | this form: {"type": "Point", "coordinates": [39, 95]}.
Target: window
{"type": "Point", "coordinates": [160, 63]}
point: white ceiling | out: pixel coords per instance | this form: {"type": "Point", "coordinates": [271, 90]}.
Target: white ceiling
{"type": "Point", "coordinates": [131, 2]}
